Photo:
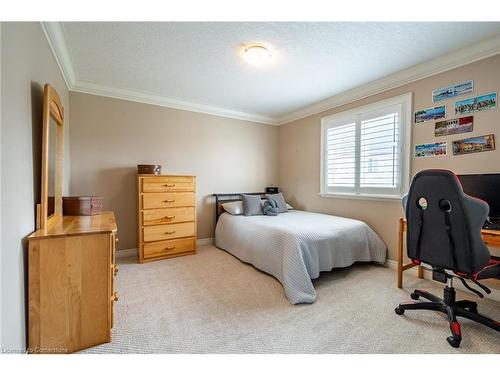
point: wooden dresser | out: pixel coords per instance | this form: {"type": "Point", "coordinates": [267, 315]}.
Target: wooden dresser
{"type": "Point", "coordinates": [166, 216]}
{"type": "Point", "coordinates": [71, 291]}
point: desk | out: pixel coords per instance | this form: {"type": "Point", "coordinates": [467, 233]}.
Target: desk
{"type": "Point", "coordinates": [490, 237]}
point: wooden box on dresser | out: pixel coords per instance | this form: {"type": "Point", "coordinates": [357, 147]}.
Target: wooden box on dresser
{"type": "Point", "coordinates": [166, 216]}
{"type": "Point", "coordinates": [71, 287]}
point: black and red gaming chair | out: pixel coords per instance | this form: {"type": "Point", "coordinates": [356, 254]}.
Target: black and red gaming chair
{"type": "Point", "coordinates": [444, 232]}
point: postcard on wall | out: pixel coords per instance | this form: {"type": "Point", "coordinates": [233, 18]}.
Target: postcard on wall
{"type": "Point", "coordinates": [454, 126]}
{"type": "Point", "coordinates": [479, 103]}
{"type": "Point", "coordinates": [430, 149]}
{"type": "Point", "coordinates": [452, 91]}
{"type": "Point", "coordinates": [474, 144]}
{"type": "Point", "coordinates": [428, 114]}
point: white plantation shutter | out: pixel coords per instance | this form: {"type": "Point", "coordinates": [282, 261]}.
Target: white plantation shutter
{"type": "Point", "coordinates": [341, 144]}
{"type": "Point", "coordinates": [379, 152]}
{"type": "Point", "coordinates": [364, 152]}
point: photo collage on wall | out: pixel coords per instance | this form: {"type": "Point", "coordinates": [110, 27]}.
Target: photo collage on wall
{"type": "Point", "coordinates": [463, 121]}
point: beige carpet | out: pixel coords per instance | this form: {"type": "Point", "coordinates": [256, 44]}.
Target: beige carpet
{"type": "Point", "coordinates": [213, 303]}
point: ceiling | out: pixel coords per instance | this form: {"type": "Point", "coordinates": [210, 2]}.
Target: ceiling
{"type": "Point", "coordinates": [197, 66]}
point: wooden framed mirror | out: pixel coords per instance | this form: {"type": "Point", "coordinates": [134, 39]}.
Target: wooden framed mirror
{"type": "Point", "coordinates": [50, 208]}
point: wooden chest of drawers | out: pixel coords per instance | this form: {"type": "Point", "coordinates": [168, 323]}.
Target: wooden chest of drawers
{"type": "Point", "coordinates": [166, 216]}
{"type": "Point", "coordinates": [71, 284]}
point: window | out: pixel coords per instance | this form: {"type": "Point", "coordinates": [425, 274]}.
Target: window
{"type": "Point", "coordinates": [365, 152]}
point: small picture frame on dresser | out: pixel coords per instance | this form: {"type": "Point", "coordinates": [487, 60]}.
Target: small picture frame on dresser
{"type": "Point", "coordinates": [149, 169]}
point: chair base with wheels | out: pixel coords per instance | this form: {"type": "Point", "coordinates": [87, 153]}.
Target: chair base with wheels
{"type": "Point", "coordinates": [451, 307]}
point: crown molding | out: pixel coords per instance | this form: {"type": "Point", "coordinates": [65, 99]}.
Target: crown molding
{"type": "Point", "coordinates": [54, 33]}
{"type": "Point", "coordinates": [140, 97]}
{"type": "Point", "coordinates": [467, 55]}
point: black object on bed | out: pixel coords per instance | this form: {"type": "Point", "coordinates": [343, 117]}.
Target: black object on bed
{"type": "Point", "coordinates": [229, 197]}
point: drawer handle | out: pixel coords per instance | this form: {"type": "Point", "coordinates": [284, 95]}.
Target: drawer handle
{"type": "Point", "coordinates": [171, 232]}
{"type": "Point", "coordinates": [169, 248]}
{"type": "Point", "coordinates": [115, 269]}
{"type": "Point", "coordinates": [115, 297]}
{"type": "Point", "coordinates": [169, 185]}
{"type": "Point", "coordinates": [170, 217]}
{"type": "Point", "coordinates": [169, 200]}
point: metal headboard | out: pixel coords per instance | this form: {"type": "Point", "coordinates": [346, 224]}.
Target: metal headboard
{"type": "Point", "coordinates": [228, 197]}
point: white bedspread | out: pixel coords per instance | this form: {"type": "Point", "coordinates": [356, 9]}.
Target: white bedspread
{"type": "Point", "coordinates": [296, 246]}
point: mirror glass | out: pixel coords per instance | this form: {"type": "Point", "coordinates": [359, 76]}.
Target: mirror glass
{"type": "Point", "coordinates": [51, 166]}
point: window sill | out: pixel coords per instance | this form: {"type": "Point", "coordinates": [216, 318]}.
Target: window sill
{"type": "Point", "coordinates": [369, 197]}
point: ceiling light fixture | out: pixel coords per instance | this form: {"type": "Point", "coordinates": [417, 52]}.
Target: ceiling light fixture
{"type": "Point", "coordinates": [256, 55]}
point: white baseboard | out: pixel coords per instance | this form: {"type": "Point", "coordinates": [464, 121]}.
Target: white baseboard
{"type": "Point", "coordinates": [495, 293]}
{"type": "Point", "coordinates": [125, 253]}
{"type": "Point", "coordinates": [205, 241]}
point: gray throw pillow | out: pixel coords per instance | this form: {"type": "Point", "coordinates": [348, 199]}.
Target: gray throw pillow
{"type": "Point", "coordinates": [280, 200]}
{"type": "Point", "coordinates": [251, 205]}
{"type": "Point", "coordinates": [270, 207]}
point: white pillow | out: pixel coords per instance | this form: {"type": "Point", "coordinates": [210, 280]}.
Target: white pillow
{"type": "Point", "coordinates": [233, 208]}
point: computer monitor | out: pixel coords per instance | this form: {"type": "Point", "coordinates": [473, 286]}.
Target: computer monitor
{"type": "Point", "coordinates": [485, 187]}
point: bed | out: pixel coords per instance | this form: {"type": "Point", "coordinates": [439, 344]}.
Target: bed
{"type": "Point", "coordinates": [296, 246]}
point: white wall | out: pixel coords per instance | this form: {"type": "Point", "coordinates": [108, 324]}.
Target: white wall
{"type": "Point", "coordinates": [300, 143]}
{"type": "Point", "coordinates": [27, 64]}
{"type": "Point", "coordinates": [109, 137]}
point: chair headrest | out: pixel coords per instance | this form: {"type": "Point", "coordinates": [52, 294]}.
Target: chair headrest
{"type": "Point", "coordinates": [444, 223]}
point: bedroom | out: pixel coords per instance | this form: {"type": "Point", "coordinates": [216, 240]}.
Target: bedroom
{"type": "Point", "coordinates": [232, 111]}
